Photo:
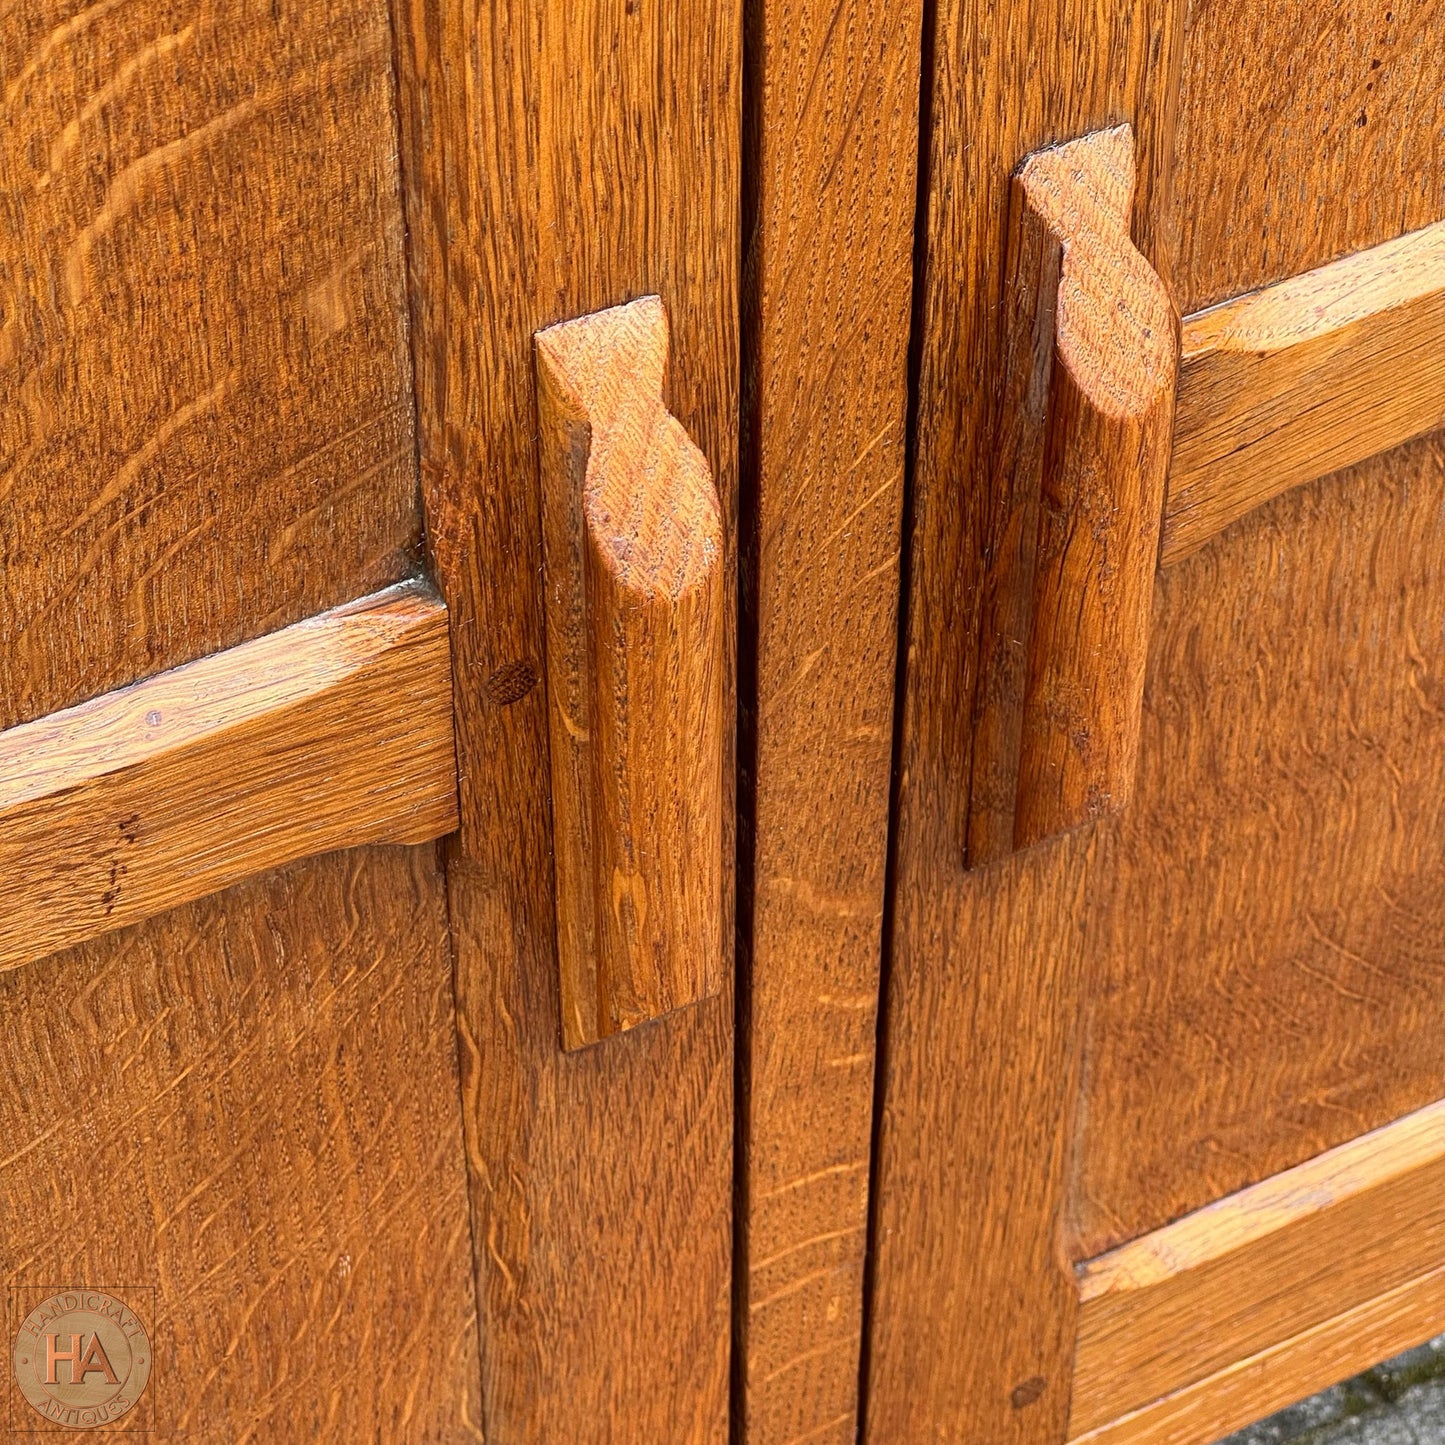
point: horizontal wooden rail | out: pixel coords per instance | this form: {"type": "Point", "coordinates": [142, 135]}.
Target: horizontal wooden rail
{"type": "Point", "coordinates": [329, 734]}
{"type": "Point", "coordinates": [1167, 1321]}
{"type": "Point", "coordinates": [1262, 1383]}
{"type": "Point", "coordinates": [1303, 378]}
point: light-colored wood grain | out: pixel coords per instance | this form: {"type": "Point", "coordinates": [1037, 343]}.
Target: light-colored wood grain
{"type": "Point", "coordinates": [633, 550]}
{"type": "Point", "coordinates": [249, 1106]}
{"type": "Point", "coordinates": [1084, 426]}
{"type": "Point", "coordinates": [1296, 1366]}
{"type": "Point", "coordinates": [205, 413]}
{"type": "Point", "coordinates": [1222, 1284]}
{"type": "Point", "coordinates": [1305, 377]}
{"type": "Point", "coordinates": [973, 1308]}
{"type": "Point", "coordinates": [828, 214]}
{"type": "Point", "coordinates": [328, 734]}
{"type": "Point", "coordinates": [562, 158]}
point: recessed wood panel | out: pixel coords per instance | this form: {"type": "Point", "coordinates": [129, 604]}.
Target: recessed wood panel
{"type": "Point", "coordinates": [1305, 132]}
{"type": "Point", "coordinates": [1267, 964]}
{"type": "Point", "coordinates": [249, 1106]}
{"type": "Point", "coordinates": [1269, 977]}
{"type": "Point", "coordinates": [205, 428]}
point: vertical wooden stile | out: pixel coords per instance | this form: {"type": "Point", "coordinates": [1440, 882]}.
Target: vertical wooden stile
{"type": "Point", "coordinates": [984, 994]}
{"type": "Point", "coordinates": [561, 158]}
{"type": "Point", "coordinates": [833, 140]}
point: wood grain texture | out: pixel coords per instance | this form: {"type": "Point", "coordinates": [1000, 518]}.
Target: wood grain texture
{"type": "Point", "coordinates": [1294, 1367]}
{"type": "Point", "coordinates": [249, 1105]}
{"type": "Point", "coordinates": [1187, 1301]}
{"type": "Point", "coordinates": [562, 158]}
{"type": "Point", "coordinates": [205, 418]}
{"type": "Point", "coordinates": [832, 143]}
{"type": "Point", "coordinates": [1287, 997]}
{"type": "Point", "coordinates": [1084, 427]}
{"type": "Point", "coordinates": [331, 733]}
{"type": "Point", "coordinates": [1266, 961]}
{"type": "Point", "coordinates": [1242, 970]}
{"type": "Point", "coordinates": [633, 550]}
{"type": "Point", "coordinates": [1343, 152]}
{"type": "Point", "coordinates": [1305, 377]}
{"type": "Point", "coordinates": [974, 1304]}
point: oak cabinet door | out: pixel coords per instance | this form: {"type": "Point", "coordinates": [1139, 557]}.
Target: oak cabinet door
{"type": "Point", "coordinates": [1160, 1146]}
{"type": "Point", "coordinates": [286, 1082]}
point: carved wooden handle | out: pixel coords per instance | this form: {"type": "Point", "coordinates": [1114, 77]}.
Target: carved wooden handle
{"type": "Point", "coordinates": [1081, 448]}
{"type": "Point", "coordinates": [632, 537]}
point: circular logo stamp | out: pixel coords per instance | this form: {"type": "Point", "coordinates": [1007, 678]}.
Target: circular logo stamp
{"type": "Point", "coordinates": [82, 1358]}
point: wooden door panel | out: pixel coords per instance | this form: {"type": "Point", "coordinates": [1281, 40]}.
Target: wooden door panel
{"type": "Point", "coordinates": [1265, 924]}
{"type": "Point", "coordinates": [972, 1323]}
{"type": "Point", "coordinates": [1304, 132]}
{"type": "Point", "coordinates": [246, 1106]}
{"type": "Point", "coordinates": [1267, 984]}
{"type": "Point", "coordinates": [205, 429]}
{"type": "Point", "coordinates": [249, 1106]}
{"type": "Point", "coordinates": [1243, 969]}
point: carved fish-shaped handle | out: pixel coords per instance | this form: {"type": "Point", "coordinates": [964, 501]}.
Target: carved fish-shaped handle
{"type": "Point", "coordinates": [634, 556]}
{"type": "Point", "coordinates": [1081, 448]}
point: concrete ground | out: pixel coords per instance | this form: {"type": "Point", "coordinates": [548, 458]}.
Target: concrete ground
{"type": "Point", "coordinates": [1401, 1402]}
